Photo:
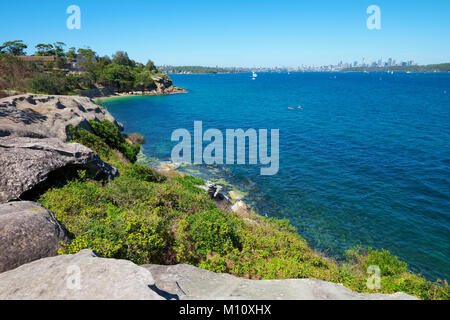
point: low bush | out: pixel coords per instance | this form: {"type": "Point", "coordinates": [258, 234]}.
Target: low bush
{"type": "Point", "coordinates": [49, 83]}
{"type": "Point", "coordinates": [111, 135]}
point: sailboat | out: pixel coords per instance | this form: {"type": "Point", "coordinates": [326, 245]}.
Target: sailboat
{"type": "Point", "coordinates": [254, 76]}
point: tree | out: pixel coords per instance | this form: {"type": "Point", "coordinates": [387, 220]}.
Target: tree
{"type": "Point", "coordinates": [72, 54]}
{"type": "Point", "coordinates": [121, 58]}
{"type": "Point", "coordinates": [143, 80]}
{"type": "Point", "coordinates": [118, 76]}
{"type": "Point", "coordinates": [16, 47]}
{"type": "Point", "coordinates": [43, 49]}
{"type": "Point", "coordinates": [150, 66]}
{"type": "Point", "coordinates": [88, 62]}
{"type": "Point", "coordinates": [59, 49]}
{"type": "Point", "coordinates": [49, 83]}
{"type": "Point", "coordinates": [86, 53]}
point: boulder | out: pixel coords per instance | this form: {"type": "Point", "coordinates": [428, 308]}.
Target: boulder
{"type": "Point", "coordinates": [187, 282]}
{"type": "Point", "coordinates": [83, 276]}
{"type": "Point", "coordinates": [28, 232]}
{"type": "Point", "coordinates": [26, 164]}
{"type": "Point", "coordinates": [214, 192]}
{"type": "Point", "coordinates": [241, 208]}
{"type": "Point", "coordinates": [37, 116]}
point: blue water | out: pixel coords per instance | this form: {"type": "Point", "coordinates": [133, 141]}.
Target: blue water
{"type": "Point", "coordinates": [365, 162]}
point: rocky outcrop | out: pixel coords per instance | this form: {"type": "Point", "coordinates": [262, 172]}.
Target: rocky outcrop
{"type": "Point", "coordinates": [28, 232]}
{"type": "Point", "coordinates": [186, 282]}
{"type": "Point", "coordinates": [88, 277]}
{"type": "Point", "coordinates": [83, 276]}
{"type": "Point", "coordinates": [39, 116]}
{"type": "Point", "coordinates": [28, 163]}
{"type": "Point", "coordinates": [159, 86]}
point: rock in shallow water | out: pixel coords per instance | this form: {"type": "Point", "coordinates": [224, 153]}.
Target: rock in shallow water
{"type": "Point", "coordinates": [28, 232]}
{"type": "Point", "coordinates": [191, 283]}
{"type": "Point", "coordinates": [83, 276]}
{"type": "Point", "coordinates": [25, 163]}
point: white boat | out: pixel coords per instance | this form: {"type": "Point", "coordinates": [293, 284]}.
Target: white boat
{"type": "Point", "coordinates": [255, 75]}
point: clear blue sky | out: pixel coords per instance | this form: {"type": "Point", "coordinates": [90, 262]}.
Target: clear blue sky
{"type": "Point", "coordinates": [238, 33]}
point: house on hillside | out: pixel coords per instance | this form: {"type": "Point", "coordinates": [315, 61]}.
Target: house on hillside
{"type": "Point", "coordinates": [37, 58]}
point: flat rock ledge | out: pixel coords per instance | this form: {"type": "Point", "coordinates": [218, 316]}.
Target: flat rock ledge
{"type": "Point", "coordinates": [28, 232]}
{"type": "Point", "coordinates": [28, 162]}
{"type": "Point", "coordinates": [48, 116]}
{"type": "Point", "coordinates": [186, 282]}
{"type": "Point", "coordinates": [83, 276]}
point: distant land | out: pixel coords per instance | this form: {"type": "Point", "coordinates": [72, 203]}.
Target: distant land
{"type": "Point", "coordinates": [198, 70]}
{"type": "Point", "coordinates": [443, 67]}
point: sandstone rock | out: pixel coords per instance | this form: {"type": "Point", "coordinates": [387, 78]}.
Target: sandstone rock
{"type": "Point", "coordinates": [37, 116]}
{"type": "Point", "coordinates": [28, 232]}
{"type": "Point", "coordinates": [26, 163]}
{"type": "Point", "coordinates": [241, 208]}
{"type": "Point", "coordinates": [83, 276]}
{"type": "Point", "coordinates": [190, 283]}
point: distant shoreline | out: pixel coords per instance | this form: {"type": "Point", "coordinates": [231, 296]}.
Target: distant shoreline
{"type": "Point", "coordinates": [177, 90]}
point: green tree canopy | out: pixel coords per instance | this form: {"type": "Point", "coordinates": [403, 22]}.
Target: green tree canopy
{"type": "Point", "coordinates": [118, 76]}
{"type": "Point", "coordinates": [150, 66]}
{"type": "Point", "coordinates": [121, 58]}
{"type": "Point", "coordinates": [16, 47]}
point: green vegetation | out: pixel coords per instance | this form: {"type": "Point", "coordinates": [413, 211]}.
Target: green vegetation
{"type": "Point", "coordinates": [52, 70]}
{"type": "Point", "coordinates": [106, 137]}
{"type": "Point", "coordinates": [15, 48]}
{"type": "Point", "coordinates": [146, 217]}
{"type": "Point", "coordinates": [443, 67]}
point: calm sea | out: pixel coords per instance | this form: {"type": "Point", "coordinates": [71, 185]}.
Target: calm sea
{"type": "Point", "coordinates": [366, 161]}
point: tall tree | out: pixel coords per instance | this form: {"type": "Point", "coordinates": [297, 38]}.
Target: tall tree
{"type": "Point", "coordinates": [59, 49]}
{"type": "Point", "coordinates": [16, 47]}
{"type": "Point", "coordinates": [44, 49]}
{"type": "Point", "coordinates": [150, 66]}
{"type": "Point", "coordinates": [121, 58]}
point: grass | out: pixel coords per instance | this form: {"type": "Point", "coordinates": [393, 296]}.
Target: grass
{"type": "Point", "coordinates": [145, 217]}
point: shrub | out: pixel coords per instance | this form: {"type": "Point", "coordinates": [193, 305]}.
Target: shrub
{"type": "Point", "coordinates": [144, 173]}
{"type": "Point", "coordinates": [111, 135]}
{"type": "Point", "coordinates": [48, 83]}
{"type": "Point", "coordinates": [90, 140]}
{"type": "Point", "coordinates": [213, 231]}
{"type": "Point", "coordinates": [136, 138]}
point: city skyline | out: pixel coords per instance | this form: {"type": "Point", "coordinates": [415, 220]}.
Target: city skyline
{"type": "Point", "coordinates": [389, 62]}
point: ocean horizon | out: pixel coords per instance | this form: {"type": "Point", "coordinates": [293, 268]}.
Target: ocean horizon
{"type": "Point", "coordinates": [365, 160]}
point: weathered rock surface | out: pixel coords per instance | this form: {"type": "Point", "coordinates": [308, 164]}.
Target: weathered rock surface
{"type": "Point", "coordinates": [241, 208]}
{"type": "Point", "coordinates": [25, 163]}
{"type": "Point", "coordinates": [83, 276]}
{"type": "Point", "coordinates": [38, 116]}
{"type": "Point", "coordinates": [190, 283]}
{"type": "Point", "coordinates": [28, 232]}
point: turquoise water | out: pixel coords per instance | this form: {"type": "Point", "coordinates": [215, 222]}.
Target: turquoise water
{"type": "Point", "coordinates": [365, 162]}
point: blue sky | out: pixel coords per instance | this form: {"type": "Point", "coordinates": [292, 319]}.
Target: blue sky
{"type": "Point", "coordinates": [239, 33]}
